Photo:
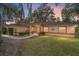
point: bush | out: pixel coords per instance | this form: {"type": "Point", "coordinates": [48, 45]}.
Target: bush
{"type": "Point", "coordinates": [77, 32]}
{"type": "Point", "coordinates": [23, 33]}
{"type": "Point", "coordinates": [42, 33]}
{"type": "Point", "coordinates": [4, 30]}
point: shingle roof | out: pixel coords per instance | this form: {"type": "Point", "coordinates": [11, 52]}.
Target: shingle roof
{"type": "Point", "coordinates": [44, 23]}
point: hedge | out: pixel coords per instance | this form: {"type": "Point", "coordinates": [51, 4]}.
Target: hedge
{"type": "Point", "coordinates": [23, 33]}
{"type": "Point", "coordinates": [4, 31]}
{"type": "Point", "coordinates": [42, 33]}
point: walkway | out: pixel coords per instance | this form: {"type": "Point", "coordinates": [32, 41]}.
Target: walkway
{"type": "Point", "coordinates": [12, 44]}
{"type": "Point", "coordinates": [18, 37]}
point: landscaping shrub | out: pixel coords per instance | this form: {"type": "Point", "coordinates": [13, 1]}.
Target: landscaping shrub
{"type": "Point", "coordinates": [4, 30]}
{"type": "Point", "coordinates": [42, 33]}
{"type": "Point", "coordinates": [23, 33]}
{"type": "Point", "coordinates": [77, 32]}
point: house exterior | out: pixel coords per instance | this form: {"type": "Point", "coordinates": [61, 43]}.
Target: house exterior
{"type": "Point", "coordinates": [16, 28]}
{"type": "Point", "coordinates": [58, 29]}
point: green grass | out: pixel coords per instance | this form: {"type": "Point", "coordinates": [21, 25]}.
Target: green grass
{"type": "Point", "coordinates": [50, 46]}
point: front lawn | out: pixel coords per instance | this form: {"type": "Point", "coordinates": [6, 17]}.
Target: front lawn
{"type": "Point", "coordinates": [50, 46]}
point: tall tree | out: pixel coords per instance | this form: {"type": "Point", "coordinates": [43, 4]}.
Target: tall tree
{"type": "Point", "coordinates": [22, 14]}
{"type": "Point", "coordinates": [41, 13]}
{"type": "Point", "coordinates": [70, 11]}
{"type": "Point", "coordinates": [29, 13]}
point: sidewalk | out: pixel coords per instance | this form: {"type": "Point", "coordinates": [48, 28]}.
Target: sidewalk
{"type": "Point", "coordinates": [18, 37]}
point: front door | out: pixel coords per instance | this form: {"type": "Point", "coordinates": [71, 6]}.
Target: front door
{"type": "Point", "coordinates": [34, 29]}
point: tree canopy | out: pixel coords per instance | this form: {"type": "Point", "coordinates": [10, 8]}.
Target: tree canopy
{"type": "Point", "coordinates": [70, 11]}
{"type": "Point", "coordinates": [41, 13]}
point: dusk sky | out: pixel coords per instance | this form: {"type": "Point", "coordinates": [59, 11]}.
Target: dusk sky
{"type": "Point", "coordinates": [57, 9]}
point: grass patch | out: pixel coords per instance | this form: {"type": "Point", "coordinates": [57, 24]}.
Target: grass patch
{"type": "Point", "coordinates": [50, 46]}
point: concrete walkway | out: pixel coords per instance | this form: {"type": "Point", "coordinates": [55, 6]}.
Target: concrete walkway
{"type": "Point", "coordinates": [12, 44]}
{"type": "Point", "coordinates": [18, 37]}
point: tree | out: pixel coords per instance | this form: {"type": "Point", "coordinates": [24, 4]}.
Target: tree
{"type": "Point", "coordinates": [58, 19]}
{"type": "Point", "coordinates": [27, 19]}
{"type": "Point", "coordinates": [41, 14]}
{"type": "Point", "coordinates": [70, 11]}
{"type": "Point", "coordinates": [66, 14]}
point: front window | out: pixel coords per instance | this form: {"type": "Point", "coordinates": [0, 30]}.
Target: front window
{"type": "Point", "coordinates": [45, 29]}
{"type": "Point", "coordinates": [62, 29]}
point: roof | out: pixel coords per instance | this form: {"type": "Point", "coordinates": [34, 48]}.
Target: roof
{"type": "Point", "coordinates": [13, 25]}
{"type": "Point", "coordinates": [61, 24]}
{"type": "Point", "coordinates": [56, 23]}
{"type": "Point", "coordinates": [45, 24]}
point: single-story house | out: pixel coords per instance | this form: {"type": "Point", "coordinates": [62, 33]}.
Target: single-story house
{"type": "Point", "coordinates": [58, 29]}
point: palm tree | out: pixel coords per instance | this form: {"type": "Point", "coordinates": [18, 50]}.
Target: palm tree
{"type": "Point", "coordinates": [30, 11]}
{"type": "Point", "coordinates": [22, 10]}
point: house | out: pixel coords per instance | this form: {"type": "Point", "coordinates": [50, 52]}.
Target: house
{"type": "Point", "coordinates": [58, 29]}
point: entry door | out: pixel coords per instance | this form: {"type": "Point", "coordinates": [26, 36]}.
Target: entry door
{"type": "Point", "coordinates": [34, 29]}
